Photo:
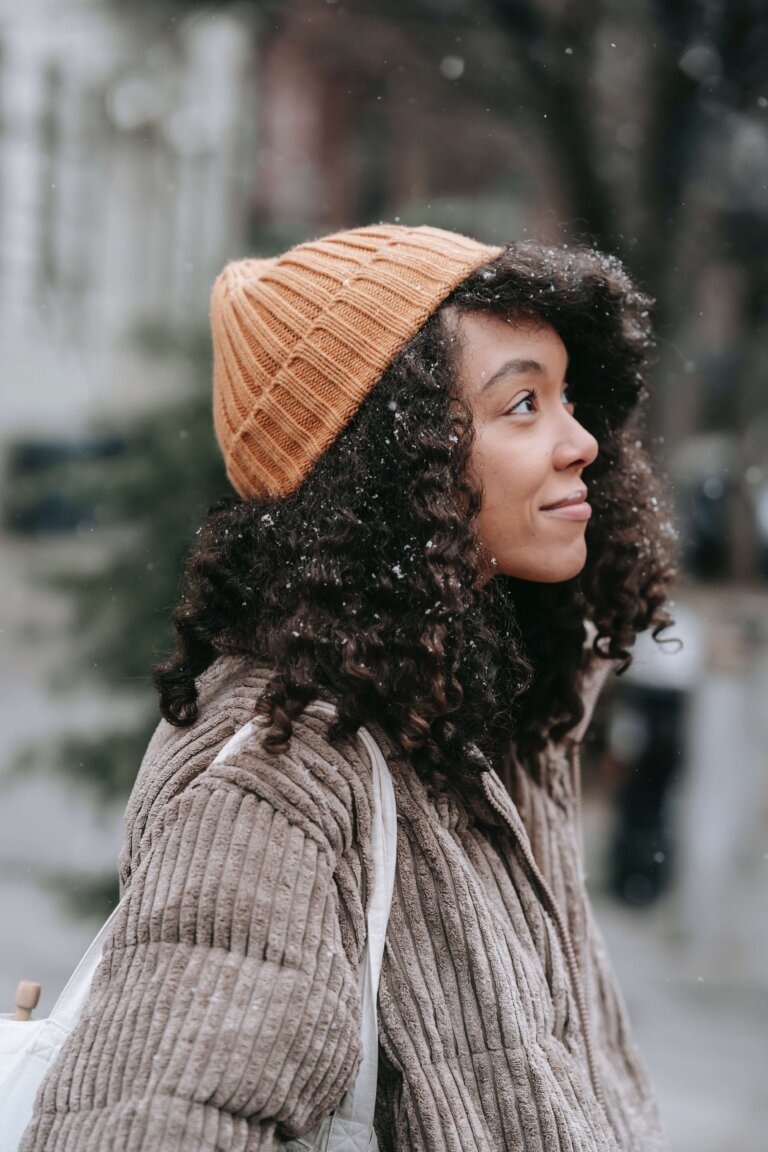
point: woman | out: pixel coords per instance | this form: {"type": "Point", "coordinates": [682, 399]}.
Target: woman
{"type": "Point", "coordinates": [411, 420]}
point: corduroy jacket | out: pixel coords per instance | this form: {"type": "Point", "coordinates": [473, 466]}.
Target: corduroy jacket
{"type": "Point", "coordinates": [225, 1013]}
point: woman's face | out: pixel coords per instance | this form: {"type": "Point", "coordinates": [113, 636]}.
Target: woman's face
{"type": "Point", "coordinates": [530, 450]}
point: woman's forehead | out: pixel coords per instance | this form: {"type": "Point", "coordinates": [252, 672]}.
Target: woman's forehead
{"type": "Point", "coordinates": [488, 344]}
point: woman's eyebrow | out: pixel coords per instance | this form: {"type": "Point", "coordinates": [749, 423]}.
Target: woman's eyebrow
{"type": "Point", "coordinates": [514, 368]}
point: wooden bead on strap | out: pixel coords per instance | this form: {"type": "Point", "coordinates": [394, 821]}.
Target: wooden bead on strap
{"type": "Point", "coordinates": [27, 999]}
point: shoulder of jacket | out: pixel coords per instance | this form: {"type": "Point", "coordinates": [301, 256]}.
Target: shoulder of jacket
{"type": "Point", "coordinates": [323, 787]}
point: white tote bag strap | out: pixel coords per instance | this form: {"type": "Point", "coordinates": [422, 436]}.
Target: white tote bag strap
{"type": "Point", "coordinates": [352, 1120]}
{"type": "Point", "coordinates": [351, 1124]}
{"type": "Point", "coordinates": [69, 1006]}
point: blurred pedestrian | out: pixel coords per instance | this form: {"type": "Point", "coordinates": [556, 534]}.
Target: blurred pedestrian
{"type": "Point", "coordinates": [410, 419]}
{"type": "Point", "coordinates": [647, 740]}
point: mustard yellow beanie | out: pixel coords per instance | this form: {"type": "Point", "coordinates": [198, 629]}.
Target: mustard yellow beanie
{"type": "Point", "coordinates": [300, 340]}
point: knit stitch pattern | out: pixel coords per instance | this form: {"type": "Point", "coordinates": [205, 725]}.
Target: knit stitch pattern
{"type": "Point", "coordinates": [300, 340]}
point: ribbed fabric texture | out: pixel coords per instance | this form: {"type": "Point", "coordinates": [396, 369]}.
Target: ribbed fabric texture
{"type": "Point", "coordinates": [225, 1014]}
{"type": "Point", "coordinates": [300, 340]}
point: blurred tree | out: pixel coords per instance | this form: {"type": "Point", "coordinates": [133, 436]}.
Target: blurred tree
{"type": "Point", "coordinates": [624, 118]}
{"type": "Point", "coordinates": [641, 128]}
{"type": "Point", "coordinates": [144, 505]}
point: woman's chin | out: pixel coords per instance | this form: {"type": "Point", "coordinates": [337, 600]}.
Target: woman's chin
{"type": "Point", "coordinates": [547, 569]}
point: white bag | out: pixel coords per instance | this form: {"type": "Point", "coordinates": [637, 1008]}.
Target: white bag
{"type": "Point", "coordinates": [29, 1048]}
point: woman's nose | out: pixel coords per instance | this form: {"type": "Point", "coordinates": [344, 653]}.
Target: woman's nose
{"type": "Point", "coordinates": [576, 446]}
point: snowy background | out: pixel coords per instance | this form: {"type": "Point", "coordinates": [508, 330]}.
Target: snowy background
{"type": "Point", "coordinates": [143, 145]}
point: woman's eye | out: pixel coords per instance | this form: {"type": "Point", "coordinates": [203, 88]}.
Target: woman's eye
{"type": "Point", "coordinates": [527, 405]}
{"type": "Point", "coordinates": [529, 399]}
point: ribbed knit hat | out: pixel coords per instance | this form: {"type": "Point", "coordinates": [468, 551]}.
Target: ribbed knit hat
{"type": "Point", "coordinates": [300, 340]}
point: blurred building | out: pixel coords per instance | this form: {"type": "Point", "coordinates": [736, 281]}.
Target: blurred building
{"type": "Point", "coordinates": [125, 175]}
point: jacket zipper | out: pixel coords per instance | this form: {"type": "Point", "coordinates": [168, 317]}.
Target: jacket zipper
{"type": "Point", "coordinates": [574, 760]}
{"type": "Point", "coordinates": [521, 836]}
{"type": "Point", "coordinates": [491, 778]}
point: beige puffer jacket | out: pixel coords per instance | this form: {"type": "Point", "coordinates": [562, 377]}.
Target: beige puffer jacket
{"type": "Point", "coordinates": [225, 1013]}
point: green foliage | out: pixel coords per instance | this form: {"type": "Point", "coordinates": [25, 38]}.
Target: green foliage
{"type": "Point", "coordinates": [103, 765]}
{"type": "Point", "coordinates": [146, 503]}
{"type": "Point", "coordinates": [150, 500]}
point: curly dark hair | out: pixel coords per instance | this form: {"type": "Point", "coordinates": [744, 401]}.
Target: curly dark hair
{"type": "Point", "coordinates": [366, 579]}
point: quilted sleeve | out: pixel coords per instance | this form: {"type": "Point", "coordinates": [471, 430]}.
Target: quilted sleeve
{"type": "Point", "coordinates": [225, 1013]}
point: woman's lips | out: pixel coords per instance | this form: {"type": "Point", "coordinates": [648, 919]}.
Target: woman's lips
{"type": "Point", "coordinates": [573, 507]}
{"type": "Point", "coordinates": [579, 511]}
